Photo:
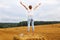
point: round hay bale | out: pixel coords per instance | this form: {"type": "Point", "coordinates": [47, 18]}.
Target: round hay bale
{"type": "Point", "coordinates": [29, 37]}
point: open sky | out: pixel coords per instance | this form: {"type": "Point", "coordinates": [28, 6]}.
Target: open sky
{"type": "Point", "coordinates": [12, 11]}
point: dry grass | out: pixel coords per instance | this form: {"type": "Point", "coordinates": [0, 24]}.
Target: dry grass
{"type": "Point", "coordinates": [51, 32]}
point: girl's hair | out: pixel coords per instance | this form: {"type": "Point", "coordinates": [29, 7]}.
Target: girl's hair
{"type": "Point", "coordinates": [30, 7]}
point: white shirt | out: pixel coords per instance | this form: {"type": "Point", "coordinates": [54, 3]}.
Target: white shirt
{"type": "Point", "coordinates": [30, 13]}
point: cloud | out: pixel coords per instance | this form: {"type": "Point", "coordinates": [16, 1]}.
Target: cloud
{"type": "Point", "coordinates": [49, 1]}
{"type": "Point", "coordinates": [11, 11]}
{"type": "Point", "coordinates": [50, 11]}
{"type": "Point", "coordinates": [4, 5]}
{"type": "Point", "coordinates": [7, 18]}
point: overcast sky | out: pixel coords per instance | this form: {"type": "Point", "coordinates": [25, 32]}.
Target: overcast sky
{"type": "Point", "coordinates": [12, 11]}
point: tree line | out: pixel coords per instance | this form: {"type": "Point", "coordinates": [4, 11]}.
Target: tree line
{"type": "Point", "coordinates": [24, 23]}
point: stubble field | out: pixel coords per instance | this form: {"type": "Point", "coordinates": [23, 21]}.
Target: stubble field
{"type": "Point", "coordinates": [50, 32]}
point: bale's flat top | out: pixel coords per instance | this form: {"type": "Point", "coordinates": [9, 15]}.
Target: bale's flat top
{"type": "Point", "coordinates": [29, 37]}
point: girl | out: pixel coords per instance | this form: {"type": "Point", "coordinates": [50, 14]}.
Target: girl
{"type": "Point", "coordinates": [30, 10]}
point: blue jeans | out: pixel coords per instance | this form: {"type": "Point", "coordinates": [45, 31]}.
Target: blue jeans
{"type": "Point", "coordinates": [30, 20]}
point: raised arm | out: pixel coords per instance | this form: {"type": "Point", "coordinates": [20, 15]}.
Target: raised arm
{"type": "Point", "coordinates": [23, 5]}
{"type": "Point", "coordinates": [37, 6]}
